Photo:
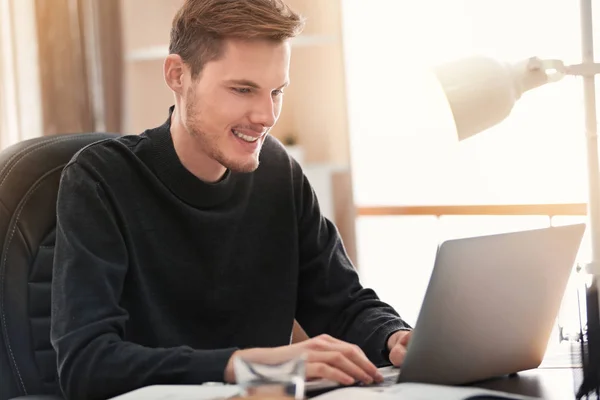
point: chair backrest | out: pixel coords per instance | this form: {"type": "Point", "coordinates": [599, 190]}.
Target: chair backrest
{"type": "Point", "coordinates": [29, 178]}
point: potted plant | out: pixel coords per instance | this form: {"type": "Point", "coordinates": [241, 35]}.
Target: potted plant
{"type": "Point", "coordinates": [293, 147]}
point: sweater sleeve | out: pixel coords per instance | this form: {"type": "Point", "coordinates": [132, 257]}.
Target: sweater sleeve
{"type": "Point", "coordinates": [331, 298]}
{"type": "Point", "coordinates": [87, 321]}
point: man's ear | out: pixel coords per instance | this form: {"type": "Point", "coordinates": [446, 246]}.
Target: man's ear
{"type": "Point", "coordinates": [174, 72]}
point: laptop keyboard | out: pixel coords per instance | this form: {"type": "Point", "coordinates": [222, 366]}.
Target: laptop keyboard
{"type": "Point", "coordinates": [390, 376]}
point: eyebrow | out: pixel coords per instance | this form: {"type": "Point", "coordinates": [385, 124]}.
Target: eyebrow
{"type": "Point", "coordinates": [249, 83]}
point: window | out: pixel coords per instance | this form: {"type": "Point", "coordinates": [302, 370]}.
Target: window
{"type": "Point", "coordinates": [403, 145]}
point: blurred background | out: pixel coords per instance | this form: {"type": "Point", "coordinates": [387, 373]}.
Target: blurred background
{"type": "Point", "coordinates": [364, 116]}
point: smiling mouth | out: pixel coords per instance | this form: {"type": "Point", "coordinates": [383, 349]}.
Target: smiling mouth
{"type": "Point", "coordinates": [246, 138]}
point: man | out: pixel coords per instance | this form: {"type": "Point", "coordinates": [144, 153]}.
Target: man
{"type": "Point", "coordinates": [176, 251]}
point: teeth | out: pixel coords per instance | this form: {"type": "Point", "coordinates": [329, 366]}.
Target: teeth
{"type": "Point", "coordinates": [247, 138]}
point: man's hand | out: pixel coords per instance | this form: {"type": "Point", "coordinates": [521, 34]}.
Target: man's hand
{"type": "Point", "coordinates": [326, 357]}
{"type": "Point", "coordinates": [397, 344]}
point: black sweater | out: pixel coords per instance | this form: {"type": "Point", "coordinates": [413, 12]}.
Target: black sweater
{"type": "Point", "coordinates": [159, 277]}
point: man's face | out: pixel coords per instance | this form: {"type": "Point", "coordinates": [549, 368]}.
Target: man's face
{"type": "Point", "coordinates": [233, 103]}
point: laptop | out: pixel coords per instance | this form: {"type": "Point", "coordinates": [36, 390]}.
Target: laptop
{"type": "Point", "coordinates": [489, 309]}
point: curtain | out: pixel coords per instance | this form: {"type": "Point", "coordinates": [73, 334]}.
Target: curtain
{"type": "Point", "coordinates": [60, 68]}
{"type": "Point", "coordinates": [20, 116]}
{"type": "Point", "coordinates": [80, 63]}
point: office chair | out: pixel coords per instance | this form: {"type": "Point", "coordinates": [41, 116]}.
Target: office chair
{"type": "Point", "coordinates": [29, 177]}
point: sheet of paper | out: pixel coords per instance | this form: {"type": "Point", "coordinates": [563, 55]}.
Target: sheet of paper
{"type": "Point", "coordinates": [181, 392]}
{"type": "Point", "coordinates": [416, 391]}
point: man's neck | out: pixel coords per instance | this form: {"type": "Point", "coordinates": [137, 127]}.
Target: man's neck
{"type": "Point", "coordinates": [194, 159]}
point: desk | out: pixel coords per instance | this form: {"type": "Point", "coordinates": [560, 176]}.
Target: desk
{"type": "Point", "coordinates": [545, 383]}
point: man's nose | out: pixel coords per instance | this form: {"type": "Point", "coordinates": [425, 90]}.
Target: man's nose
{"type": "Point", "coordinates": [265, 112]}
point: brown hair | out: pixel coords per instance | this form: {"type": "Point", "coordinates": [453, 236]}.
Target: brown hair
{"type": "Point", "coordinates": [200, 26]}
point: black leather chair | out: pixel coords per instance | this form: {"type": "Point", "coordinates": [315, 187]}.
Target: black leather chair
{"type": "Point", "coordinates": [29, 177]}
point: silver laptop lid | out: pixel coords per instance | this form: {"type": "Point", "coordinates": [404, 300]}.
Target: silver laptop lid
{"type": "Point", "coordinates": [490, 305]}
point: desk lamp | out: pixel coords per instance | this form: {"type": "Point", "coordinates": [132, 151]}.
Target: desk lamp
{"type": "Point", "coordinates": [481, 92]}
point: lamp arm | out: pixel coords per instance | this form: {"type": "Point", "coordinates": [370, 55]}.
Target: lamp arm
{"type": "Point", "coordinates": [556, 69]}
{"type": "Point", "coordinates": [583, 69]}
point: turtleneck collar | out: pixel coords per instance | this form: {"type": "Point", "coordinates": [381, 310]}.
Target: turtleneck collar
{"type": "Point", "coordinates": [179, 179]}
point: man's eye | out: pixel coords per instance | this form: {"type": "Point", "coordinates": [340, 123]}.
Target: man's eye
{"type": "Point", "coordinates": [277, 92]}
{"type": "Point", "coordinates": [242, 90]}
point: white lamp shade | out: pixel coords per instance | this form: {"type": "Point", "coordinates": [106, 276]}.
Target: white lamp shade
{"type": "Point", "coordinates": [481, 91]}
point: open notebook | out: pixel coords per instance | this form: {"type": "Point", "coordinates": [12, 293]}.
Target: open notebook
{"type": "Point", "coordinates": [419, 391]}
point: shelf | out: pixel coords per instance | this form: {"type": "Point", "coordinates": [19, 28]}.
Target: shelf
{"type": "Point", "coordinates": [152, 53]}
{"type": "Point", "coordinates": [148, 53]}
{"type": "Point", "coordinates": [313, 40]}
